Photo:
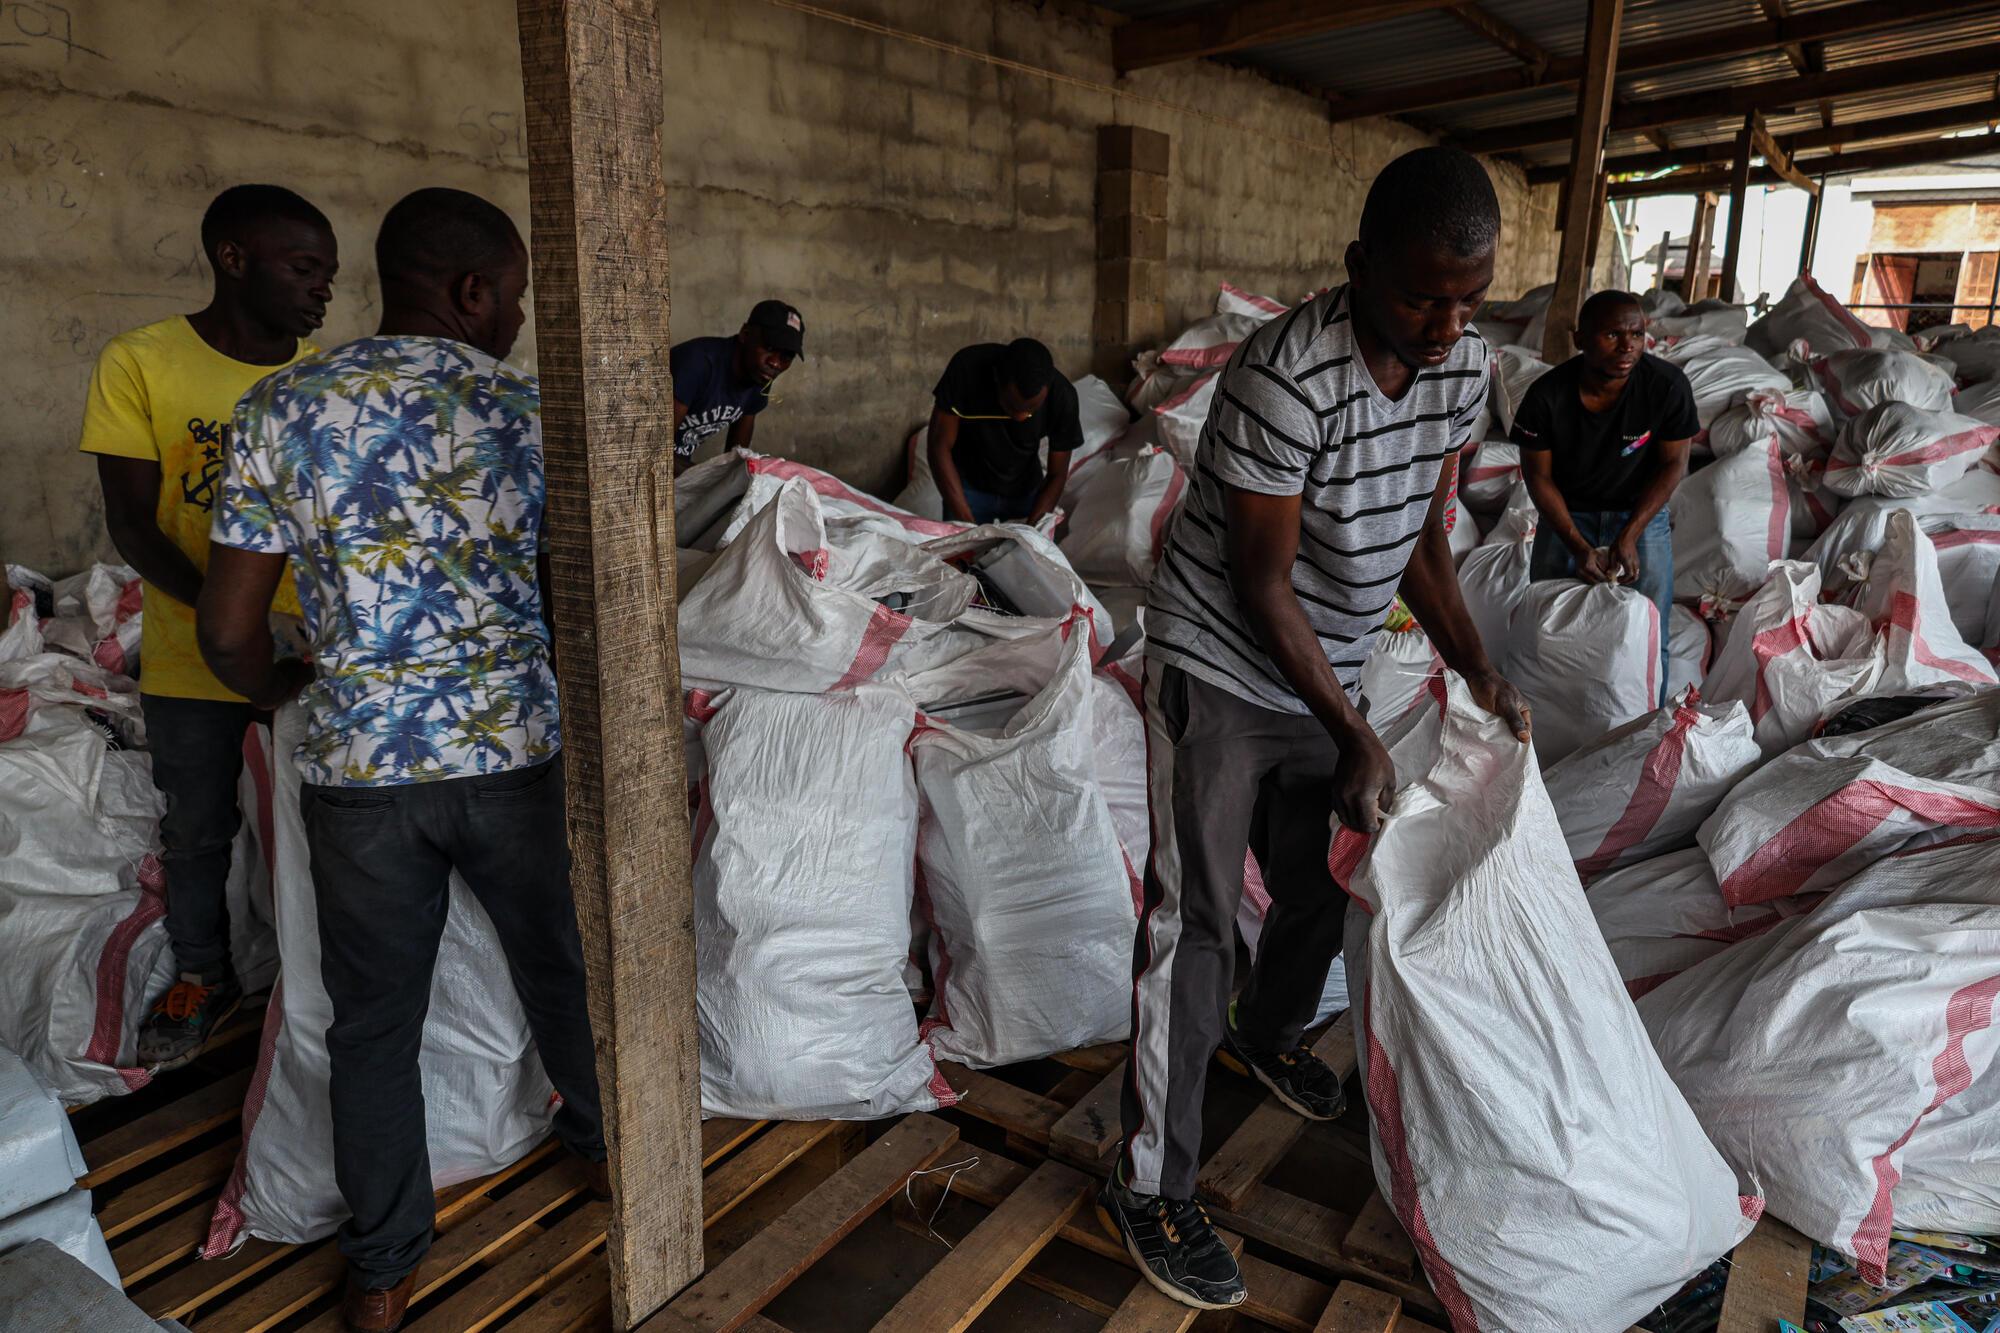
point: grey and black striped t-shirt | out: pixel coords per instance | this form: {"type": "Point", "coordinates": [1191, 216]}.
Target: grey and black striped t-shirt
{"type": "Point", "coordinates": [1296, 413]}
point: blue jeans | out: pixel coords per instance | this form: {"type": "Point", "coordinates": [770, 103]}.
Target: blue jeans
{"type": "Point", "coordinates": [987, 507]}
{"type": "Point", "coordinates": [1550, 559]}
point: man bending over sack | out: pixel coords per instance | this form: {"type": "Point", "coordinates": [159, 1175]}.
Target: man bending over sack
{"type": "Point", "coordinates": [1604, 441]}
{"type": "Point", "coordinates": [1320, 486]}
{"type": "Point", "coordinates": [995, 404]}
{"type": "Point", "coordinates": [402, 474]}
{"type": "Point", "coordinates": [723, 383]}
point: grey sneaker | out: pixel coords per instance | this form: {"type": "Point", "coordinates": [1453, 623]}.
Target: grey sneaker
{"type": "Point", "coordinates": [182, 1020]}
{"type": "Point", "coordinates": [1174, 1244]}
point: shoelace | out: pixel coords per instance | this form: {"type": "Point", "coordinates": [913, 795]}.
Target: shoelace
{"type": "Point", "coordinates": [1172, 1212]}
{"type": "Point", "coordinates": [184, 999]}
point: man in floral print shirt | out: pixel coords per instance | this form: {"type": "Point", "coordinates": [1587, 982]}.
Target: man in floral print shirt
{"type": "Point", "coordinates": [401, 476]}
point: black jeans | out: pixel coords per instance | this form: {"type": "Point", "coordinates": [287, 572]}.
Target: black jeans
{"type": "Point", "coordinates": [197, 751]}
{"type": "Point", "coordinates": [381, 864]}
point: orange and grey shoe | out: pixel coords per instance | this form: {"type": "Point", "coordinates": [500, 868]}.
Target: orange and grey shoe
{"type": "Point", "coordinates": [182, 1020]}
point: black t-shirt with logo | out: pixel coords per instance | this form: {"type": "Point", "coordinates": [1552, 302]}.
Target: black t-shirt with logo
{"type": "Point", "coordinates": [705, 382]}
{"type": "Point", "coordinates": [994, 453]}
{"type": "Point", "coordinates": [1602, 460]}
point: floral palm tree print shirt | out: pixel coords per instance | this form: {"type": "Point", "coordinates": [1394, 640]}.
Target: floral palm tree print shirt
{"type": "Point", "coordinates": [403, 475]}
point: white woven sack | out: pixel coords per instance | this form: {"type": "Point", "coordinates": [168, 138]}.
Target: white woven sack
{"type": "Point", "coordinates": [1027, 569]}
{"type": "Point", "coordinates": [1586, 657]}
{"type": "Point", "coordinates": [1792, 659]}
{"type": "Point", "coordinates": [1486, 986]}
{"type": "Point", "coordinates": [1820, 1053]}
{"type": "Point", "coordinates": [1492, 471]}
{"type": "Point", "coordinates": [1644, 788]}
{"type": "Point", "coordinates": [1689, 648]}
{"type": "Point", "coordinates": [1493, 578]}
{"type": "Point", "coordinates": [1021, 876]}
{"type": "Point", "coordinates": [1233, 300]}
{"type": "Point", "coordinates": [1399, 667]}
{"type": "Point", "coordinates": [1980, 401]}
{"type": "Point", "coordinates": [1857, 380]}
{"type": "Point", "coordinates": [1828, 808]}
{"type": "Point", "coordinates": [1182, 416]}
{"type": "Point", "coordinates": [39, 1156]}
{"type": "Point", "coordinates": [1712, 318]}
{"type": "Point", "coordinates": [1896, 448]}
{"type": "Point", "coordinates": [1796, 420]}
{"type": "Point", "coordinates": [1207, 344]}
{"type": "Point", "coordinates": [1513, 370]}
{"type": "Point", "coordinates": [1731, 520]}
{"type": "Point", "coordinates": [1119, 512]}
{"type": "Point", "coordinates": [1862, 523]}
{"type": "Point", "coordinates": [1720, 373]}
{"type": "Point", "coordinates": [785, 607]}
{"type": "Point", "coordinates": [1806, 312]}
{"type": "Point", "coordinates": [1968, 560]}
{"type": "Point", "coordinates": [486, 1099]}
{"type": "Point", "coordinates": [1902, 594]}
{"type": "Point", "coordinates": [1663, 916]}
{"type": "Point", "coordinates": [804, 848]}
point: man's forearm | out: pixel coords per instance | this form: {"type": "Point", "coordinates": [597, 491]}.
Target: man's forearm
{"type": "Point", "coordinates": [1555, 515]}
{"type": "Point", "coordinates": [159, 562]}
{"type": "Point", "coordinates": [945, 473]}
{"type": "Point", "coordinates": [1430, 588]}
{"type": "Point", "coordinates": [1047, 496]}
{"type": "Point", "coordinates": [1282, 630]}
{"type": "Point", "coordinates": [1659, 489]}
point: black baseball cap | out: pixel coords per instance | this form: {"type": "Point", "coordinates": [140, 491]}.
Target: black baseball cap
{"type": "Point", "coordinates": [781, 326]}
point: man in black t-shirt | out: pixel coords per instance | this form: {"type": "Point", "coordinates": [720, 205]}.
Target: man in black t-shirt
{"type": "Point", "coordinates": [995, 405]}
{"type": "Point", "coordinates": [1604, 441]}
{"type": "Point", "coordinates": [723, 383]}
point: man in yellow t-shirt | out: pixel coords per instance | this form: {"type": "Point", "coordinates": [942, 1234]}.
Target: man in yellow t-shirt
{"type": "Point", "coordinates": [158, 419]}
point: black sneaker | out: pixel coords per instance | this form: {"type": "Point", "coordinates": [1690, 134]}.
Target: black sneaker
{"type": "Point", "coordinates": [185, 1018]}
{"type": "Point", "coordinates": [1174, 1244]}
{"type": "Point", "coordinates": [1298, 1078]}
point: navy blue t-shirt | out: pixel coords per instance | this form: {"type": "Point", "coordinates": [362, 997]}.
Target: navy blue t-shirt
{"type": "Point", "coordinates": [705, 381]}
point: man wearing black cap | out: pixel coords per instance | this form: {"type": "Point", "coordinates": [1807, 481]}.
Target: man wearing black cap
{"type": "Point", "coordinates": [726, 382]}
{"type": "Point", "coordinates": [996, 403]}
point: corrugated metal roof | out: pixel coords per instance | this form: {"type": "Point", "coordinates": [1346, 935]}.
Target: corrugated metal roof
{"type": "Point", "coordinates": [1434, 46]}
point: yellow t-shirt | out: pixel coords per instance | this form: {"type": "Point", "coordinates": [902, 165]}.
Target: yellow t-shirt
{"type": "Point", "coordinates": [161, 393]}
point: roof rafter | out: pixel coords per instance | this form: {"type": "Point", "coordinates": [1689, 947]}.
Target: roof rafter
{"type": "Point", "coordinates": [1216, 29]}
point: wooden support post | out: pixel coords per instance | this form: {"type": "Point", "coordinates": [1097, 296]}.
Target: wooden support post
{"type": "Point", "coordinates": [1739, 193]}
{"type": "Point", "coordinates": [1694, 274]}
{"type": "Point", "coordinates": [1131, 247]}
{"type": "Point", "coordinates": [1586, 167]}
{"type": "Point", "coordinates": [1597, 210]}
{"type": "Point", "coordinates": [1809, 243]}
{"type": "Point", "coordinates": [598, 209]}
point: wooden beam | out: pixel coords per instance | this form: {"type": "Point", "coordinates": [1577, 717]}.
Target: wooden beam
{"type": "Point", "coordinates": [1231, 26]}
{"type": "Point", "coordinates": [1962, 62]}
{"type": "Point", "coordinates": [1776, 158]}
{"type": "Point", "coordinates": [1832, 164]}
{"type": "Point", "coordinates": [1505, 36]}
{"type": "Point", "coordinates": [1597, 211]}
{"type": "Point", "coordinates": [1857, 131]}
{"type": "Point", "coordinates": [1809, 242]}
{"type": "Point", "coordinates": [1586, 165]}
{"type": "Point", "coordinates": [598, 211]}
{"type": "Point", "coordinates": [1739, 193]}
{"type": "Point", "coordinates": [1794, 51]}
{"type": "Point", "coordinates": [1694, 273]}
{"type": "Point", "coordinates": [1767, 1279]}
{"type": "Point", "coordinates": [1741, 39]}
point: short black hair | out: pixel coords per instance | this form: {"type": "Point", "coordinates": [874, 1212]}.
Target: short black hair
{"type": "Point", "coordinates": [1438, 197]}
{"type": "Point", "coordinates": [240, 207]}
{"type": "Point", "coordinates": [1027, 366]}
{"type": "Point", "coordinates": [1601, 304]}
{"type": "Point", "coordinates": [434, 235]}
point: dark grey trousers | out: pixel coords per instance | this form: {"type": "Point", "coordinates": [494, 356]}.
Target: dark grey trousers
{"type": "Point", "coordinates": [197, 750]}
{"type": "Point", "coordinates": [382, 858]}
{"type": "Point", "coordinates": [1221, 772]}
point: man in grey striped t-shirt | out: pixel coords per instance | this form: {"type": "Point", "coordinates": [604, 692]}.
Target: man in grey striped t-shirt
{"type": "Point", "coordinates": [1319, 488]}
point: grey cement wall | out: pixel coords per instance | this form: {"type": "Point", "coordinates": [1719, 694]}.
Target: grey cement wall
{"type": "Point", "coordinates": [908, 200]}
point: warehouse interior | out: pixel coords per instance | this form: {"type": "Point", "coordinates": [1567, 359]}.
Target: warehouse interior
{"type": "Point", "coordinates": [1759, 1091]}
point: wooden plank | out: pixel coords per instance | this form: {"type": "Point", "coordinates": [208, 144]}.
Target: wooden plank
{"type": "Point", "coordinates": [1234, 24]}
{"type": "Point", "coordinates": [1950, 149]}
{"type": "Point", "coordinates": [1146, 1309]}
{"type": "Point", "coordinates": [965, 1281]}
{"type": "Point", "coordinates": [591, 74]}
{"type": "Point", "coordinates": [747, 1172]}
{"type": "Point", "coordinates": [1767, 1280]}
{"type": "Point", "coordinates": [1000, 1103]}
{"type": "Point", "coordinates": [740, 1285]}
{"type": "Point", "coordinates": [1586, 165]}
{"type": "Point", "coordinates": [116, 1151]}
{"type": "Point", "coordinates": [520, 1276]}
{"type": "Point", "coordinates": [1739, 193]}
{"type": "Point", "coordinates": [1740, 99]}
{"type": "Point", "coordinates": [581, 1301]}
{"type": "Point", "coordinates": [735, 1228]}
{"type": "Point", "coordinates": [1707, 44]}
{"type": "Point", "coordinates": [179, 1293]}
{"type": "Point", "coordinates": [1358, 1309]}
{"type": "Point", "coordinates": [323, 1269]}
{"type": "Point", "coordinates": [1090, 1129]}
{"type": "Point", "coordinates": [1701, 234]}
{"type": "Point", "coordinates": [1377, 1239]}
{"type": "Point", "coordinates": [1097, 1059]}
{"type": "Point", "coordinates": [148, 1197]}
{"type": "Point", "coordinates": [719, 1136]}
{"type": "Point", "coordinates": [1269, 1132]}
{"type": "Point", "coordinates": [1313, 1232]}
{"type": "Point", "coordinates": [151, 1250]}
{"type": "Point", "coordinates": [1073, 1087]}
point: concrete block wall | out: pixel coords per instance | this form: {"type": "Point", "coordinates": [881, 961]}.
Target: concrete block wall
{"type": "Point", "coordinates": [907, 199]}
